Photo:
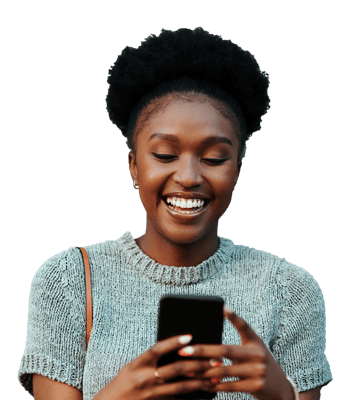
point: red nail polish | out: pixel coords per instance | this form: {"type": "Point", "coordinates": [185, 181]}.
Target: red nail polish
{"type": "Point", "coordinates": [215, 380]}
{"type": "Point", "coordinates": [216, 363]}
{"type": "Point", "coordinates": [187, 351]}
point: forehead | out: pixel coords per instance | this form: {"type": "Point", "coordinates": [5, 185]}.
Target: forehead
{"type": "Point", "coordinates": [195, 115]}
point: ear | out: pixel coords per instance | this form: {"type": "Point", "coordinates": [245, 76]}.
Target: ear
{"type": "Point", "coordinates": [133, 166]}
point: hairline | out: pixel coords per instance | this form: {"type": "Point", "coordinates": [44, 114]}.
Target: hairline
{"type": "Point", "coordinates": [159, 104]}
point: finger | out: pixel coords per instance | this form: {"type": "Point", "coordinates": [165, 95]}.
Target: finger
{"type": "Point", "coordinates": [245, 385]}
{"type": "Point", "coordinates": [171, 389]}
{"type": "Point", "coordinates": [245, 331]}
{"type": "Point", "coordinates": [183, 368]}
{"type": "Point", "coordinates": [233, 352]}
{"type": "Point", "coordinates": [162, 347]}
{"type": "Point", "coordinates": [241, 371]}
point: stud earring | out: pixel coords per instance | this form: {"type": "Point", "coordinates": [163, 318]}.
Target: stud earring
{"type": "Point", "coordinates": [134, 185]}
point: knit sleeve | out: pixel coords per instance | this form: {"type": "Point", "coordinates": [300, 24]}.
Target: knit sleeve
{"type": "Point", "coordinates": [56, 330]}
{"type": "Point", "coordinates": [299, 345]}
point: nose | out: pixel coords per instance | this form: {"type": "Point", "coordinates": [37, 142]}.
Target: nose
{"type": "Point", "coordinates": [188, 173]}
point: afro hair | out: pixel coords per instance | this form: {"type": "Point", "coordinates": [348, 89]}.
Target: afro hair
{"type": "Point", "coordinates": [187, 59]}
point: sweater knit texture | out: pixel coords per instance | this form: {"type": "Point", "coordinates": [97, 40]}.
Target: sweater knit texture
{"type": "Point", "coordinates": [282, 303]}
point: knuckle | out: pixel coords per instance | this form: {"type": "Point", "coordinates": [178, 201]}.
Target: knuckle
{"type": "Point", "coordinates": [262, 370]}
{"type": "Point", "coordinates": [259, 385]}
{"type": "Point", "coordinates": [179, 367]}
{"type": "Point", "coordinates": [200, 350]}
{"type": "Point", "coordinates": [263, 355]}
{"type": "Point", "coordinates": [228, 352]}
{"type": "Point", "coordinates": [139, 379]}
{"type": "Point", "coordinates": [153, 351]}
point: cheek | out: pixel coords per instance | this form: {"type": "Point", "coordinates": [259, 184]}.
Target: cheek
{"type": "Point", "coordinates": [150, 187]}
{"type": "Point", "coordinates": [223, 200]}
{"type": "Point", "coordinates": [223, 189]}
{"type": "Point", "coordinates": [224, 183]}
{"type": "Point", "coordinates": [151, 179]}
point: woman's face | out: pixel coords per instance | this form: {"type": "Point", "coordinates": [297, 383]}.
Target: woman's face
{"type": "Point", "coordinates": [186, 166]}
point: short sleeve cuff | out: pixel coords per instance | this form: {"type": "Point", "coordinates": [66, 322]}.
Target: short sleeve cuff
{"type": "Point", "coordinates": [57, 371]}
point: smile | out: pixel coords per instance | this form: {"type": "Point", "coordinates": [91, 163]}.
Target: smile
{"type": "Point", "coordinates": [185, 213]}
{"type": "Point", "coordinates": [184, 206]}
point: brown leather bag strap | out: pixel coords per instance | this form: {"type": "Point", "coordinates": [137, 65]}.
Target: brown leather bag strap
{"type": "Point", "coordinates": [88, 295]}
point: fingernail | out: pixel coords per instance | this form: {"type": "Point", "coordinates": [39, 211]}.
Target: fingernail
{"type": "Point", "coordinates": [215, 363]}
{"type": "Point", "coordinates": [215, 380]}
{"type": "Point", "coordinates": [229, 310]}
{"type": "Point", "coordinates": [187, 351]}
{"type": "Point", "coordinates": [185, 339]}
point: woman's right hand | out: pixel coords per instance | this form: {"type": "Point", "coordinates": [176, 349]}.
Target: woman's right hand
{"type": "Point", "coordinates": [140, 379]}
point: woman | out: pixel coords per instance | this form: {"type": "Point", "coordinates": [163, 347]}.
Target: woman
{"type": "Point", "coordinates": [187, 101]}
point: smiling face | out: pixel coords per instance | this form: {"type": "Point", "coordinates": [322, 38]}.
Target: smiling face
{"type": "Point", "coordinates": [186, 166]}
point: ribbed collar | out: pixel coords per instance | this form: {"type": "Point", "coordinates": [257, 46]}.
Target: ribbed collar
{"type": "Point", "coordinates": [175, 275]}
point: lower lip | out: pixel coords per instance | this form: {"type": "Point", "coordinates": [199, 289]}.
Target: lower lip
{"type": "Point", "coordinates": [180, 214]}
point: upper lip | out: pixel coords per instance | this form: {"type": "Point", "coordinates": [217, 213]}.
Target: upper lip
{"type": "Point", "coordinates": [187, 195]}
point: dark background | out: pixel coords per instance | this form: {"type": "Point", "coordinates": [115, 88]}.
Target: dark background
{"type": "Point", "coordinates": [64, 171]}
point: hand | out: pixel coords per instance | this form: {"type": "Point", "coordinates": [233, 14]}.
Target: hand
{"type": "Point", "coordinates": [258, 372]}
{"type": "Point", "coordinates": [141, 379]}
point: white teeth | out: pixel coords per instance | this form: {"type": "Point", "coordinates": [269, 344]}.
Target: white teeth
{"type": "Point", "coordinates": [184, 203]}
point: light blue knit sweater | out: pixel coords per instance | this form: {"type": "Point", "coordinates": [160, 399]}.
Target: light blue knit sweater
{"type": "Point", "coordinates": [282, 302]}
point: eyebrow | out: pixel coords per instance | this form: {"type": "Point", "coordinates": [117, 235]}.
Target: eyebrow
{"type": "Point", "coordinates": [209, 141]}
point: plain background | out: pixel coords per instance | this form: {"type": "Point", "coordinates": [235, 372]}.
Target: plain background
{"type": "Point", "coordinates": [64, 170]}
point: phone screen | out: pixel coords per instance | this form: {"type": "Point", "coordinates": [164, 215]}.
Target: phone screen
{"type": "Point", "coordinates": [200, 316]}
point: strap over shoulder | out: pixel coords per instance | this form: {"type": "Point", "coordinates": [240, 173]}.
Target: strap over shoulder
{"type": "Point", "coordinates": [88, 294]}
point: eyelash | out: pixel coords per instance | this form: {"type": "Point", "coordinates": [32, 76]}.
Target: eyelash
{"type": "Point", "coordinates": [169, 157]}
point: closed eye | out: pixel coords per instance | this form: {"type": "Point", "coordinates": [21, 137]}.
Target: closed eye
{"type": "Point", "coordinates": [170, 157]}
{"type": "Point", "coordinates": [164, 156]}
{"type": "Point", "coordinates": [216, 160]}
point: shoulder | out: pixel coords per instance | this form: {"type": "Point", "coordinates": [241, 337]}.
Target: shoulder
{"type": "Point", "coordinates": [291, 279]}
{"type": "Point", "coordinates": [249, 258]}
{"type": "Point", "coordinates": [299, 286]}
{"type": "Point", "coordinates": [111, 247]}
{"type": "Point", "coordinates": [67, 267]}
{"type": "Point", "coordinates": [59, 278]}
{"type": "Point", "coordinates": [301, 297]}
{"type": "Point", "coordinates": [60, 263]}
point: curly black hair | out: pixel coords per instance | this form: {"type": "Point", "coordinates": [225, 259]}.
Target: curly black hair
{"type": "Point", "coordinates": [182, 61]}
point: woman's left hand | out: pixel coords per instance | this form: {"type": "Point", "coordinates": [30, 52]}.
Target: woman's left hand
{"type": "Point", "coordinates": [258, 372]}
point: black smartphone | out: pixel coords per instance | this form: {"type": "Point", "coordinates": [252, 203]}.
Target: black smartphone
{"type": "Point", "coordinates": [200, 316]}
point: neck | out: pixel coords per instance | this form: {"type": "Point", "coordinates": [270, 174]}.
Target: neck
{"type": "Point", "coordinates": [166, 252]}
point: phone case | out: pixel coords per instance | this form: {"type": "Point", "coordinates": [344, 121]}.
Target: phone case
{"type": "Point", "coordinates": [200, 316]}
